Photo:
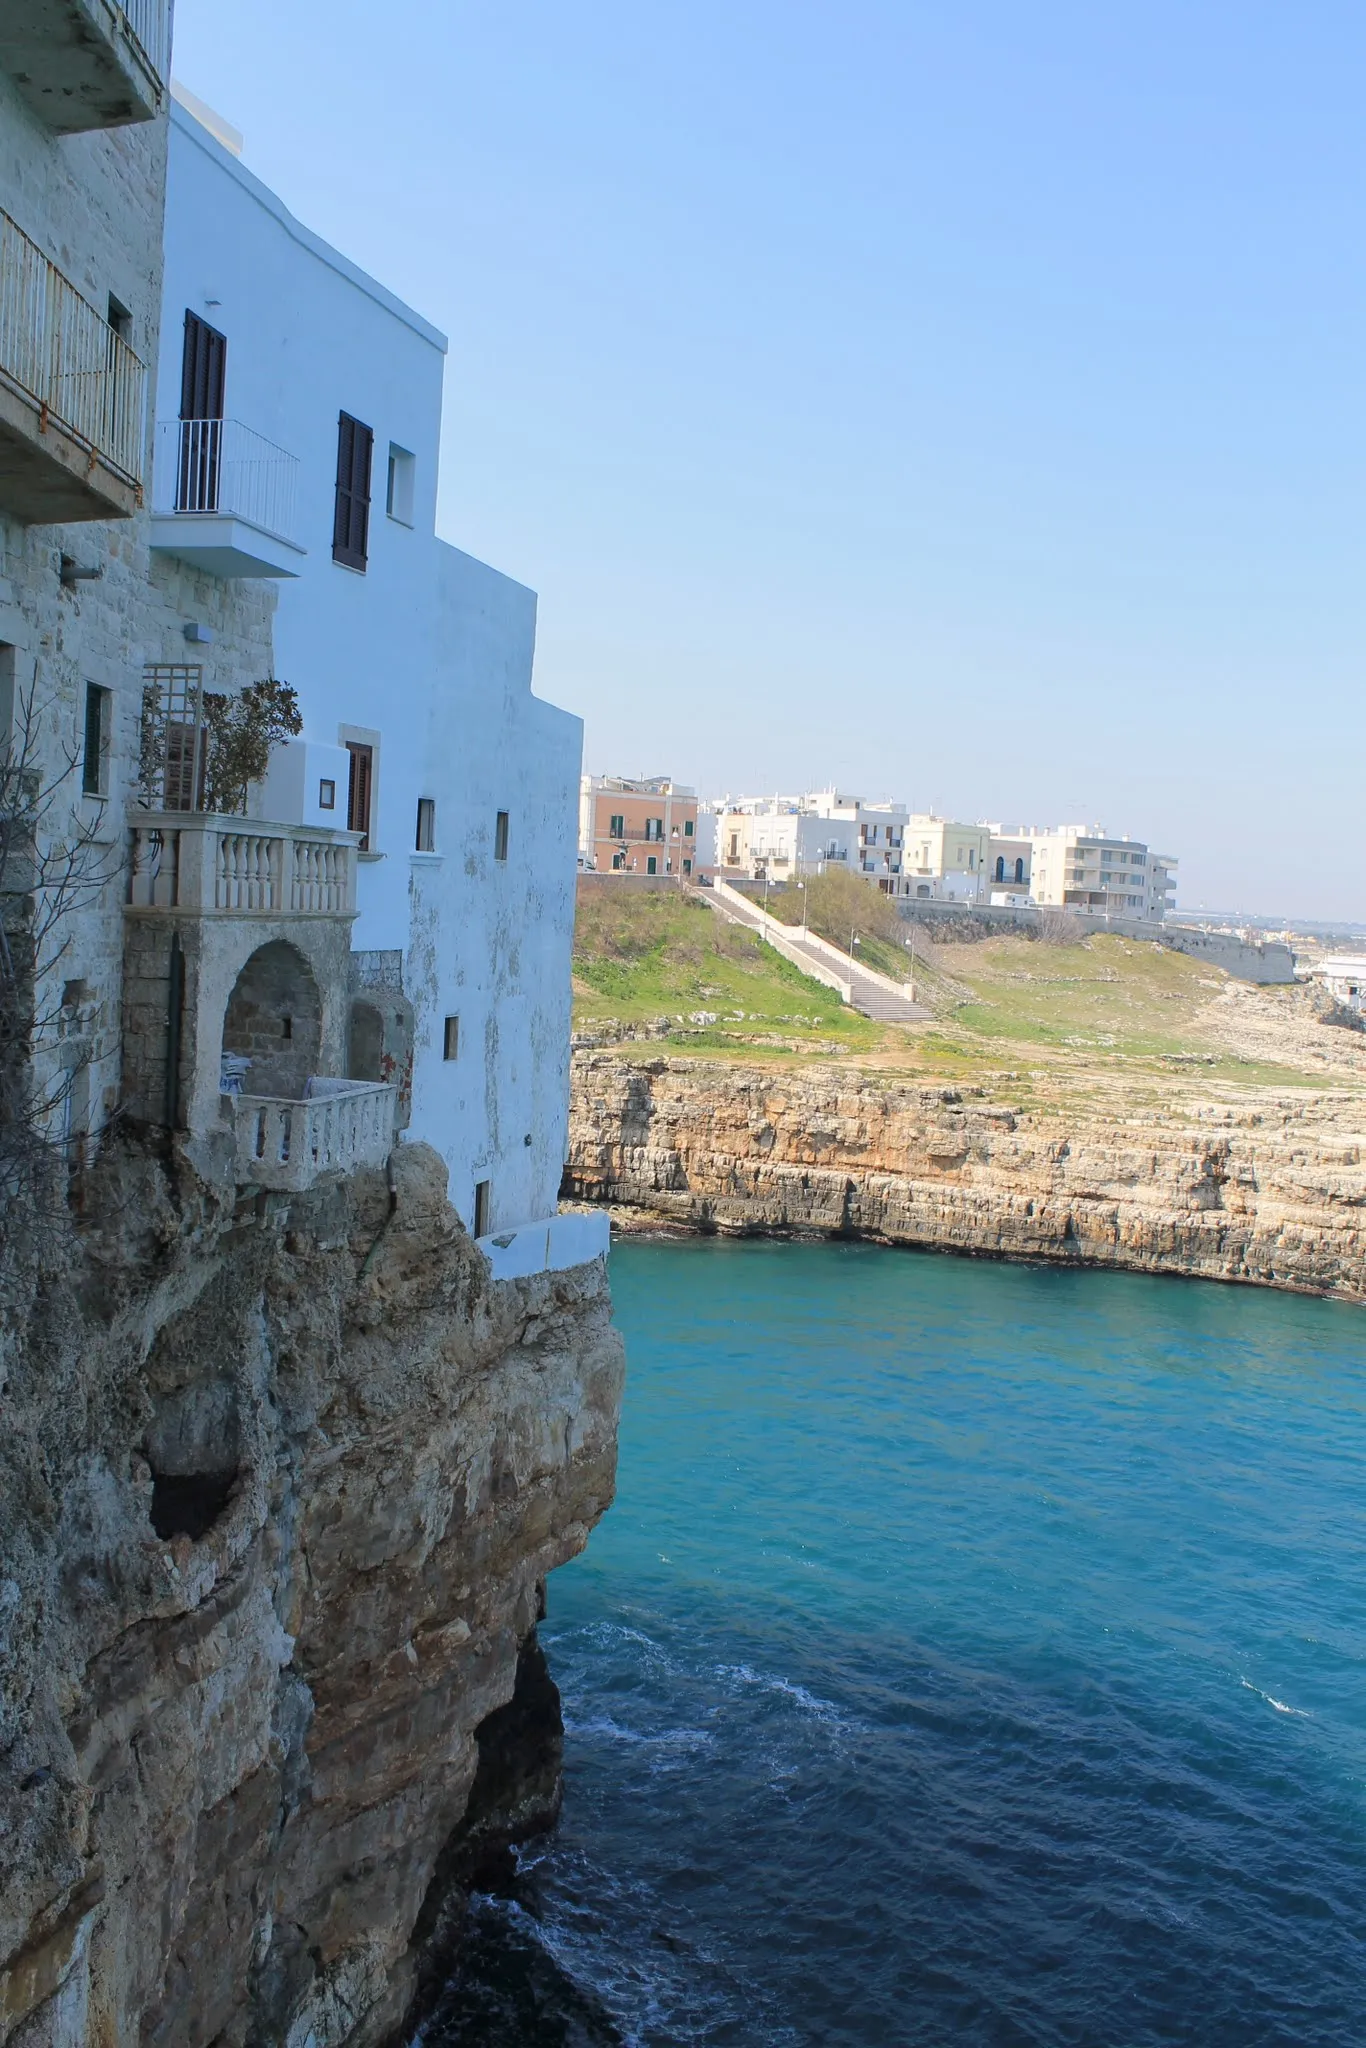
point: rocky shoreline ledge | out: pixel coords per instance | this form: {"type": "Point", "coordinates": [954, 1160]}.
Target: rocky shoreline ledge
{"type": "Point", "coordinates": [1264, 1187]}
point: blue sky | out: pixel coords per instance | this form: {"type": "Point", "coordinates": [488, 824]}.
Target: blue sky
{"type": "Point", "coordinates": [964, 402]}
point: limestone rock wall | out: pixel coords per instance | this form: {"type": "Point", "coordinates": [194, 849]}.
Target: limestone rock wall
{"type": "Point", "coordinates": [1270, 1189]}
{"type": "Point", "coordinates": [279, 1491]}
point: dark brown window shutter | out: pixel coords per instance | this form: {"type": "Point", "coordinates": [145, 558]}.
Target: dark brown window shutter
{"type": "Point", "coordinates": [358, 791]}
{"type": "Point", "coordinates": [351, 523]}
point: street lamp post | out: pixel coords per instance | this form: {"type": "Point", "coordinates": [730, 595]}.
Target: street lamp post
{"type": "Point", "coordinates": [802, 887]}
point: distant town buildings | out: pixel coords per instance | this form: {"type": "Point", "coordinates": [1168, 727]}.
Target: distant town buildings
{"type": "Point", "coordinates": [784, 838]}
{"type": "Point", "coordinates": [646, 825]}
{"type": "Point", "coordinates": [658, 827]}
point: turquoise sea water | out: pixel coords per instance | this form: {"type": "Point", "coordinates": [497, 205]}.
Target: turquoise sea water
{"type": "Point", "coordinates": [975, 1654]}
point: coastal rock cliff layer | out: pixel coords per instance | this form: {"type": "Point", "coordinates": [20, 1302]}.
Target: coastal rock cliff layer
{"type": "Point", "coordinates": [279, 1494]}
{"type": "Point", "coordinates": [1269, 1189]}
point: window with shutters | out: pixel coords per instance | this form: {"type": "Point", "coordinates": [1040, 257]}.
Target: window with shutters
{"type": "Point", "coordinates": [360, 786]}
{"type": "Point", "coordinates": [351, 524]}
{"type": "Point", "coordinates": [95, 749]}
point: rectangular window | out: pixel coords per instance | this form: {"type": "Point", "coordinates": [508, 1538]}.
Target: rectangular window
{"type": "Point", "coordinates": [618, 860]}
{"type": "Point", "coordinates": [687, 867]}
{"type": "Point", "coordinates": [402, 471]}
{"type": "Point", "coordinates": [426, 824]}
{"type": "Point", "coordinates": [500, 836]}
{"type": "Point", "coordinates": [687, 828]}
{"type": "Point", "coordinates": [327, 793]}
{"type": "Point", "coordinates": [654, 828]}
{"type": "Point", "coordinates": [351, 521]}
{"type": "Point", "coordinates": [617, 826]}
{"type": "Point", "coordinates": [652, 866]}
{"type": "Point", "coordinates": [359, 785]}
{"type": "Point", "coordinates": [482, 1207]}
{"type": "Point", "coordinates": [451, 1042]}
{"type": "Point", "coordinates": [203, 377]}
{"type": "Point", "coordinates": [95, 747]}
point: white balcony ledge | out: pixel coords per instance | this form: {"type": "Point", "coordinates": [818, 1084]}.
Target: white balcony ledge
{"type": "Point", "coordinates": [225, 545]}
{"type": "Point", "coordinates": [552, 1245]}
{"type": "Point", "coordinates": [86, 64]}
{"type": "Point", "coordinates": [338, 1128]}
{"type": "Point", "coordinates": [224, 498]}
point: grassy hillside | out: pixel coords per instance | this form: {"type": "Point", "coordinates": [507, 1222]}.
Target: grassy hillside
{"type": "Point", "coordinates": [641, 959]}
{"type": "Point", "coordinates": [1030, 1014]}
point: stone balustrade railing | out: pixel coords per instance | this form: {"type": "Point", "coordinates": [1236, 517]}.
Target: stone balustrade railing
{"type": "Point", "coordinates": [340, 1126]}
{"type": "Point", "coordinates": [207, 865]}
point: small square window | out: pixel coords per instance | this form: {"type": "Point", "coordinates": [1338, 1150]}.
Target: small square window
{"type": "Point", "coordinates": [451, 1041]}
{"type": "Point", "coordinates": [482, 1207]}
{"type": "Point", "coordinates": [426, 824]}
{"type": "Point", "coordinates": [402, 471]}
{"type": "Point", "coordinates": [327, 793]}
{"type": "Point", "coordinates": [500, 837]}
{"type": "Point", "coordinates": [95, 746]}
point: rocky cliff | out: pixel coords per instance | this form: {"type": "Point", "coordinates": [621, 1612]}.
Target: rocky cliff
{"type": "Point", "coordinates": [1266, 1187]}
{"type": "Point", "coordinates": [279, 1492]}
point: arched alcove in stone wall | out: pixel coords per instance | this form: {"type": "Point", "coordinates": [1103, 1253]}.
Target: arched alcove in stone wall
{"type": "Point", "coordinates": [365, 1046]}
{"type": "Point", "coordinates": [274, 1019]}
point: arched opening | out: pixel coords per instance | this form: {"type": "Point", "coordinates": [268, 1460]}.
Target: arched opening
{"type": "Point", "coordinates": [1019, 870]}
{"type": "Point", "coordinates": [272, 1028]}
{"type": "Point", "coordinates": [1000, 867]}
{"type": "Point", "coordinates": [365, 1047]}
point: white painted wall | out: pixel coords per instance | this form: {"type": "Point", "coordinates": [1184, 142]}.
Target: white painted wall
{"type": "Point", "coordinates": [428, 650]}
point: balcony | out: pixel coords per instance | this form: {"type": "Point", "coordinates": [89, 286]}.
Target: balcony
{"type": "Point", "coordinates": [224, 498]}
{"type": "Point", "coordinates": [338, 1127]}
{"type": "Point", "coordinates": [207, 866]}
{"type": "Point", "coordinates": [85, 64]}
{"type": "Point", "coordinates": [72, 396]}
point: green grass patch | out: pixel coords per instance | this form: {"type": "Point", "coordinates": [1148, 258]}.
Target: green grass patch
{"type": "Point", "coordinates": [641, 957]}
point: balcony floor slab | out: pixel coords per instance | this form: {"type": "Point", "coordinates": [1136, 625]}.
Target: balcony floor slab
{"type": "Point", "coordinates": [225, 545]}
{"type": "Point", "coordinates": [47, 474]}
{"type": "Point", "coordinates": [77, 64]}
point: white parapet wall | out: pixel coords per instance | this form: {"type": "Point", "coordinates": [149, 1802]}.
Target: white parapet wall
{"type": "Point", "coordinates": [774, 935]}
{"type": "Point", "coordinates": [552, 1245]}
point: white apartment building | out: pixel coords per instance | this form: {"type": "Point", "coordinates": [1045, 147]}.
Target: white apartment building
{"type": "Point", "coordinates": [297, 435]}
{"type": "Point", "coordinates": [1081, 867]}
{"type": "Point", "coordinates": [1010, 857]}
{"type": "Point", "coordinates": [788, 837]}
{"type": "Point", "coordinates": [1343, 975]}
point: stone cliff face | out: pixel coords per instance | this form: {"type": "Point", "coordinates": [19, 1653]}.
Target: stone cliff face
{"type": "Point", "coordinates": [279, 1494]}
{"type": "Point", "coordinates": [1269, 1189]}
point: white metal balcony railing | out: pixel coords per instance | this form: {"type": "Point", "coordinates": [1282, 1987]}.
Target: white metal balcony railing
{"type": "Point", "coordinates": [66, 358]}
{"type": "Point", "coordinates": [149, 24]}
{"type": "Point", "coordinates": [339, 1126]}
{"type": "Point", "coordinates": [196, 862]}
{"type": "Point", "coordinates": [224, 467]}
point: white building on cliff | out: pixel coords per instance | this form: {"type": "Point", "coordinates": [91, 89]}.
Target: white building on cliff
{"type": "Point", "coordinates": [297, 437]}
